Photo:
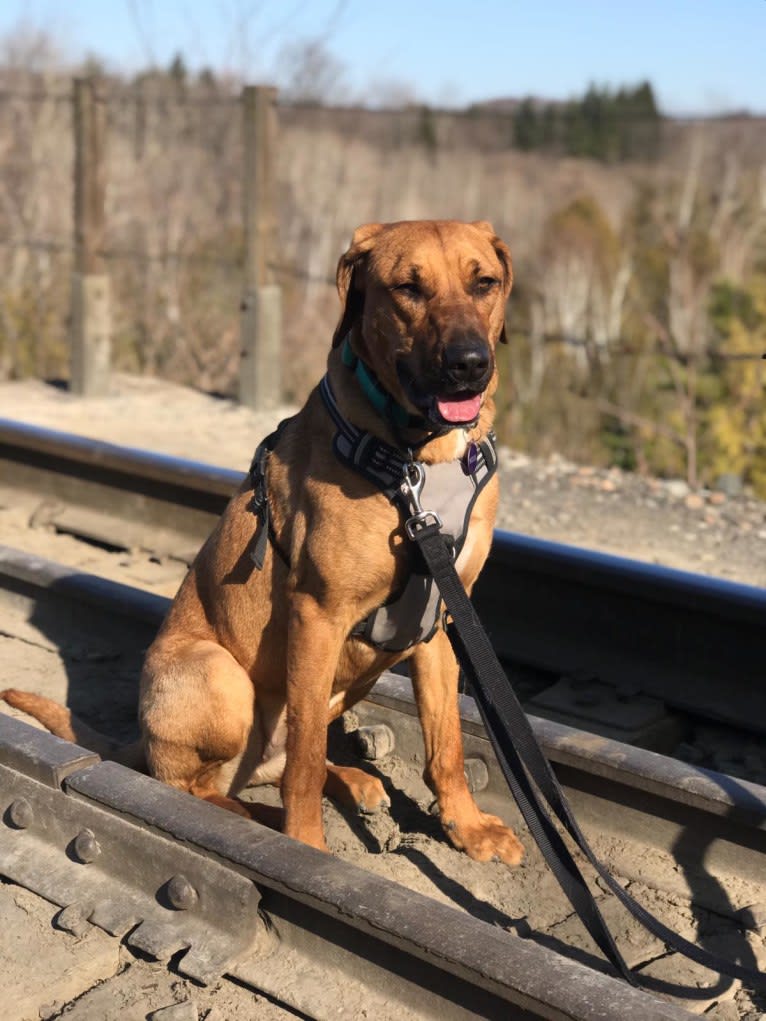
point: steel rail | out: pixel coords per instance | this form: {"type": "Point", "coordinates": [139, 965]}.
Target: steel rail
{"type": "Point", "coordinates": [169, 873]}
{"type": "Point", "coordinates": [695, 642]}
{"type": "Point", "coordinates": [651, 797]}
{"type": "Point", "coordinates": [124, 496]}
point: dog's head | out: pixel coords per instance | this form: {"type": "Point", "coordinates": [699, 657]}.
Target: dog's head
{"type": "Point", "coordinates": [424, 306]}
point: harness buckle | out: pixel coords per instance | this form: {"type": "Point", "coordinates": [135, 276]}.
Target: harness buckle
{"type": "Point", "coordinates": [413, 480]}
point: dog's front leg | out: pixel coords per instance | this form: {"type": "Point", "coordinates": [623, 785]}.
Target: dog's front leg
{"type": "Point", "coordinates": [435, 680]}
{"type": "Point", "coordinates": [314, 645]}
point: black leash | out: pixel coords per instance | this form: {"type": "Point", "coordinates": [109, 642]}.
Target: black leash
{"type": "Point", "coordinates": [522, 761]}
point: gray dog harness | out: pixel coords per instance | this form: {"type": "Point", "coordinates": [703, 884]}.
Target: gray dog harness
{"type": "Point", "coordinates": [449, 491]}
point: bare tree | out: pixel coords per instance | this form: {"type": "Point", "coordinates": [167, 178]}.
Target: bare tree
{"type": "Point", "coordinates": [309, 73]}
{"type": "Point", "coordinates": [583, 284]}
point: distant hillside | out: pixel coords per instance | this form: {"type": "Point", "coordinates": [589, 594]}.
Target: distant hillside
{"type": "Point", "coordinates": [639, 247]}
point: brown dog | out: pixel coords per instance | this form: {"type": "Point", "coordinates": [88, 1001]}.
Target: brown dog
{"type": "Point", "coordinates": [251, 664]}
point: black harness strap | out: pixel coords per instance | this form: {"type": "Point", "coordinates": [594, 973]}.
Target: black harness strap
{"type": "Point", "coordinates": [525, 768]}
{"type": "Point", "coordinates": [259, 504]}
{"type": "Point", "coordinates": [378, 462]}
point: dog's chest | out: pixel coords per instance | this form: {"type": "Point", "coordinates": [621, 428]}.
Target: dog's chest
{"type": "Point", "coordinates": [411, 612]}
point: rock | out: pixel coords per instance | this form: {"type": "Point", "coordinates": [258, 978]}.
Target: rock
{"type": "Point", "coordinates": [677, 488]}
{"type": "Point", "coordinates": [729, 483]}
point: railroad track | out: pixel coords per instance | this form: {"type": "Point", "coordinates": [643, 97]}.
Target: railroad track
{"type": "Point", "coordinates": [267, 909]}
{"type": "Point", "coordinates": [167, 873]}
{"type": "Point", "coordinates": [634, 646]}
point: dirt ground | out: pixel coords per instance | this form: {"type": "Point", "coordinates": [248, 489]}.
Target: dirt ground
{"type": "Point", "coordinates": [658, 521]}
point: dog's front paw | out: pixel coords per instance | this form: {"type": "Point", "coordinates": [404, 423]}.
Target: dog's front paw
{"type": "Point", "coordinates": [485, 838]}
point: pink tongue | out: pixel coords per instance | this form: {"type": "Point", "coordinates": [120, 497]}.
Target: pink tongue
{"type": "Point", "coordinates": [463, 409]}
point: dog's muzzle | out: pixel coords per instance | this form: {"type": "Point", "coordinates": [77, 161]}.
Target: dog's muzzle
{"type": "Point", "coordinates": [454, 396]}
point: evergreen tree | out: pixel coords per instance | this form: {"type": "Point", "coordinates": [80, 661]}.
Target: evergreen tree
{"type": "Point", "coordinates": [527, 133]}
{"type": "Point", "coordinates": [177, 70]}
{"type": "Point", "coordinates": [602, 125]}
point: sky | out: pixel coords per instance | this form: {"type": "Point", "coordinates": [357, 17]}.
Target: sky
{"type": "Point", "coordinates": [702, 56]}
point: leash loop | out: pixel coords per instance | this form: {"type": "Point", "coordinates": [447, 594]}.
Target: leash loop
{"type": "Point", "coordinates": [532, 781]}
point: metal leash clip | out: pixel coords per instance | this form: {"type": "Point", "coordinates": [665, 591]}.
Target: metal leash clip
{"type": "Point", "coordinates": [413, 480]}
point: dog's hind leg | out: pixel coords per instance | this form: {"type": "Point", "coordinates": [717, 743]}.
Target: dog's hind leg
{"type": "Point", "coordinates": [197, 714]}
{"type": "Point", "coordinates": [349, 785]}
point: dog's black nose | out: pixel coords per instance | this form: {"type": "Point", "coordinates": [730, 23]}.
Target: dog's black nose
{"type": "Point", "coordinates": [467, 362]}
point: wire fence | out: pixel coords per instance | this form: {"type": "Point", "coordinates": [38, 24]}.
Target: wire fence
{"type": "Point", "coordinates": [617, 259]}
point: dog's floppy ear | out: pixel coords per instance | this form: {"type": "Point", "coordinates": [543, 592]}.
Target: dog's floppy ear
{"type": "Point", "coordinates": [350, 278]}
{"type": "Point", "coordinates": [504, 255]}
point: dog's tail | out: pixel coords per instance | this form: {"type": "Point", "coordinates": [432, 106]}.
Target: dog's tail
{"type": "Point", "coordinates": [63, 723]}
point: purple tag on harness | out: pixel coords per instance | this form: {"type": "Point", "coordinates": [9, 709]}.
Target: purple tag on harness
{"type": "Point", "coordinates": [470, 460]}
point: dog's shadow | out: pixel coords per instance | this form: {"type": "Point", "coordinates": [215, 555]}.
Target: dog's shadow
{"type": "Point", "coordinates": [404, 809]}
{"type": "Point", "coordinates": [407, 816]}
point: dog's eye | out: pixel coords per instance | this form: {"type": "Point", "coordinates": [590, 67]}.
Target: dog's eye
{"type": "Point", "coordinates": [485, 284]}
{"type": "Point", "coordinates": [409, 290]}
